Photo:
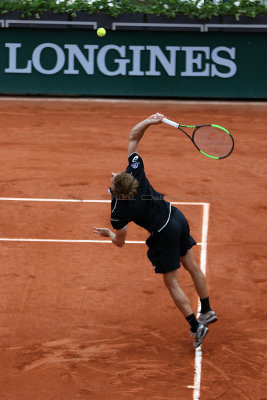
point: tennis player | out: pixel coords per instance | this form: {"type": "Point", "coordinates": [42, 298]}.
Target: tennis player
{"type": "Point", "coordinates": [169, 243]}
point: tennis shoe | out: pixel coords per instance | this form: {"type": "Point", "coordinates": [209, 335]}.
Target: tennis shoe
{"type": "Point", "coordinates": [199, 335]}
{"type": "Point", "coordinates": [207, 318]}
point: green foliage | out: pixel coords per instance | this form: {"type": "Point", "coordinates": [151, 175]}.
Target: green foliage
{"type": "Point", "coordinates": [170, 8]}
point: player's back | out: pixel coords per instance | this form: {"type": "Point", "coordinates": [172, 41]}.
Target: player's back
{"type": "Point", "coordinates": [147, 209]}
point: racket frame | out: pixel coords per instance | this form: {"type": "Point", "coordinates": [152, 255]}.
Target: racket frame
{"type": "Point", "coordinates": [179, 126]}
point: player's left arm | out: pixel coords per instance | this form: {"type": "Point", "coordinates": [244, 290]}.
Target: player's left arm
{"type": "Point", "coordinates": [118, 238]}
{"type": "Point", "coordinates": [138, 131]}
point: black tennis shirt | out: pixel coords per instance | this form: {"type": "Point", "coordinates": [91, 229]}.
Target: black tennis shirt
{"type": "Point", "coordinates": [147, 209]}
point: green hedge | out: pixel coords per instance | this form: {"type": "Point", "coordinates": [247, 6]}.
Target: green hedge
{"type": "Point", "coordinates": [170, 8]}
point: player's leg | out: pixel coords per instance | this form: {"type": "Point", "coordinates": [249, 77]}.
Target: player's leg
{"type": "Point", "coordinates": [182, 302]}
{"type": "Point", "coordinates": [176, 292]}
{"type": "Point", "coordinates": [207, 315]}
{"type": "Point", "coordinates": [197, 275]}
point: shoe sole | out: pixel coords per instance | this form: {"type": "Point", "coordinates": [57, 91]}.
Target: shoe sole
{"type": "Point", "coordinates": [202, 339]}
{"type": "Point", "coordinates": [209, 322]}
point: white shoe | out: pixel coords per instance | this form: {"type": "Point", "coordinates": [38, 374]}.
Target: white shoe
{"type": "Point", "coordinates": [199, 335]}
{"type": "Point", "coordinates": [207, 318]}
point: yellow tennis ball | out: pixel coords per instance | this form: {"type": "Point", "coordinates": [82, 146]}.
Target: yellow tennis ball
{"type": "Point", "coordinates": [101, 32]}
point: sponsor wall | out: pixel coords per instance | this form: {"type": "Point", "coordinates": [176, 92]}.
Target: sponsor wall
{"type": "Point", "coordinates": [161, 64]}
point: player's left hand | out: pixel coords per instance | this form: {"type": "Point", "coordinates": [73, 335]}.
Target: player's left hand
{"type": "Point", "coordinates": [102, 231]}
{"type": "Point", "coordinates": [155, 118]}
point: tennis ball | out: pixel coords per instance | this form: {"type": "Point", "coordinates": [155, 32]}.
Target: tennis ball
{"type": "Point", "coordinates": [101, 32]}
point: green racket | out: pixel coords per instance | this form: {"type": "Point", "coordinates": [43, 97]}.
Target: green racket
{"type": "Point", "coordinates": [212, 140]}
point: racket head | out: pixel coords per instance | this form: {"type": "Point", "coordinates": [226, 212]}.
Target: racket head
{"type": "Point", "coordinates": [213, 141]}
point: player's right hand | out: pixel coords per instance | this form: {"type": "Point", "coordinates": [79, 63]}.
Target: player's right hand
{"type": "Point", "coordinates": [102, 231]}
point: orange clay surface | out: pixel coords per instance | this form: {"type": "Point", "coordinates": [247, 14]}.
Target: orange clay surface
{"type": "Point", "coordinates": [91, 321]}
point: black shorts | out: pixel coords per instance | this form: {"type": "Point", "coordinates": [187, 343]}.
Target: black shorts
{"type": "Point", "coordinates": [167, 246]}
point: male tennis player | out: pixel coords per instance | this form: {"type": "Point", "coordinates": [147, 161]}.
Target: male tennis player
{"type": "Point", "coordinates": [134, 199]}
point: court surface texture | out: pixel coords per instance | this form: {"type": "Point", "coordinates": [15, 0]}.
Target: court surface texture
{"type": "Point", "coordinates": [83, 319]}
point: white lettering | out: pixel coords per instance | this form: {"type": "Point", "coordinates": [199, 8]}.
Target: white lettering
{"type": "Point", "coordinates": [12, 69]}
{"type": "Point", "coordinates": [101, 60]}
{"type": "Point", "coordinates": [191, 61]}
{"type": "Point", "coordinates": [86, 63]}
{"type": "Point", "coordinates": [143, 60]}
{"type": "Point", "coordinates": [223, 61]}
{"type": "Point", "coordinates": [136, 67]}
{"type": "Point", "coordinates": [36, 58]}
{"type": "Point", "coordinates": [157, 54]}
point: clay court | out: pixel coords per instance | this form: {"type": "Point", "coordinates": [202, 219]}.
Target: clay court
{"type": "Point", "coordinates": [83, 319]}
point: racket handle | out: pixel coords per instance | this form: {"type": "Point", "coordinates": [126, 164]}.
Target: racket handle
{"type": "Point", "coordinates": [169, 122]}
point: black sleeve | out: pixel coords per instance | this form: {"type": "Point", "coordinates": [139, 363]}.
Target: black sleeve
{"type": "Point", "coordinates": [118, 223]}
{"type": "Point", "coordinates": [118, 217]}
{"type": "Point", "coordinates": [135, 164]}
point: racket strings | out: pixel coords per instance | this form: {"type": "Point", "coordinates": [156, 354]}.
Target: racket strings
{"type": "Point", "coordinates": [213, 141]}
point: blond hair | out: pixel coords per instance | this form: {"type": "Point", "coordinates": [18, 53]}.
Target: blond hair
{"type": "Point", "coordinates": [125, 186]}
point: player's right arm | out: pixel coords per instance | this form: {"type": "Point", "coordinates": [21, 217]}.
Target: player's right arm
{"type": "Point", "coordinates": [118, 238]}
{"type": "Point", "coordinates": [138, 131]}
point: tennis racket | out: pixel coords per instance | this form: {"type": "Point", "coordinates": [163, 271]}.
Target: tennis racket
{"type": "Point", "coordinates": [212, 140]}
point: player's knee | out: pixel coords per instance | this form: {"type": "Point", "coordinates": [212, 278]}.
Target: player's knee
{"type": "Point", "coordinates": [170, 279]}
{"type": "Point", "coordinates": [191, 266]}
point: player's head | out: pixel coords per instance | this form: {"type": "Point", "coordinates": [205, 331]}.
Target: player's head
{"type": "Point", "coordinates": [123, 185]}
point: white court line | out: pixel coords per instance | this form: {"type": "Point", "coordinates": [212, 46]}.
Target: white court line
{"type": "Point", "coordinates": [66, 240]}
{"type": "Point", "coordinates": [71, 241]}
{"type": "Point", "coordinates": [87, 201]}
{"type": "Point", "coordinates": [53, 200]}
{"type": "Point", "coordinates": [203, 263]}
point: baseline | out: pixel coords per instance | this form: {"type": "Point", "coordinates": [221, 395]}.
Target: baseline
{"type": "Point", "coordinates": [88, 201]}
